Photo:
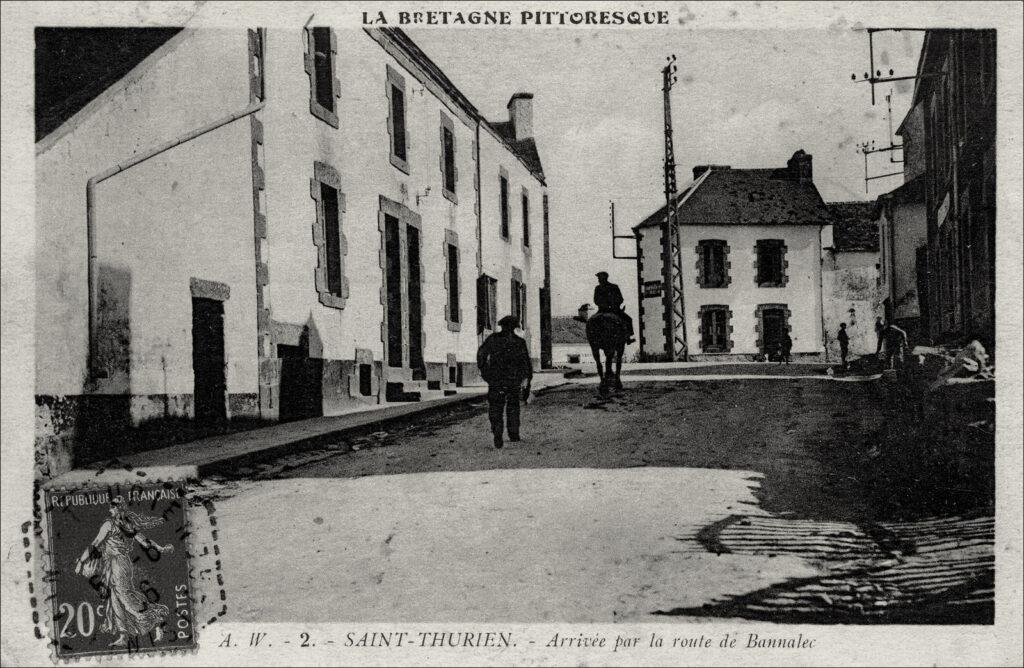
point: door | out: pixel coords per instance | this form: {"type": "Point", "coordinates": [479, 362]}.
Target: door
{"type": "Point", "coordinates": [301, 389]}
{"type": "Point", "coordinates": [773, 324]}
{"type": "Point", "coordinates": [393, 253]}
{"type": "Point", "coordinates": [210, 389]}
{"type": "Point", "coordinates": [415, 292]}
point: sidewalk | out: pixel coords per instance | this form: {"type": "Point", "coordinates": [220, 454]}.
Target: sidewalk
{"type": "Point", "coordinates": [232, 450]}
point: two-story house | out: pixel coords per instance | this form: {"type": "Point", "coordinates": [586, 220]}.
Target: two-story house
{"type": "Point", "coordinates": [752, 242]}
{"type": "Point", "coordinates": [275, 224]}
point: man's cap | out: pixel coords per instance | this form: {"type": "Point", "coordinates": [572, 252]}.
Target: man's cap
{"type": "Point", "coordinates": [509, 321]}
{"type": "Point", "coordinates": [602, 273]}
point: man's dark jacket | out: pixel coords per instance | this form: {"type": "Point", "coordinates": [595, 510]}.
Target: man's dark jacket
{"type": "Point", "coordinates": [607, 297]}
{"type": "Point", "coordinates": [504, 360]}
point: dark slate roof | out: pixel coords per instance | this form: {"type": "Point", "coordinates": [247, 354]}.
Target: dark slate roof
{"type": "Point", "coordinates": [526, 149]}
{"type": "Point", "coordinates": [567, 329]}
{"type": "Point", "coordinates": [74, 65]}
{"type": "Point", "coordinates": [854, 226]}
{"type": "Point", "coordinates": [748, 197]}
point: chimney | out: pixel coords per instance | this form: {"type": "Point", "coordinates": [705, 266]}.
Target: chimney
{"type": "Point", "coordinates": [800, 167]}
{"type": "Point", "coordinates": [700, 169]}
{"type": "Point", "coordinates": [520, 115]}
{"type": "Point", "coordinates": [584, 313]}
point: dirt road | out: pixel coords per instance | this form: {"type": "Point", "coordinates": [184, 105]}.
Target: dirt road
{"type": "Point", "coordinates": [691, 499]}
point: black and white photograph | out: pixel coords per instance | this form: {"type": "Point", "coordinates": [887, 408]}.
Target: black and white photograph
{"type": "Point", "coordinates": [505, 333]}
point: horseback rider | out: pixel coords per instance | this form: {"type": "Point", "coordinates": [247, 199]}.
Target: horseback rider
{"type": "Point", "coordinates": [608, 299]}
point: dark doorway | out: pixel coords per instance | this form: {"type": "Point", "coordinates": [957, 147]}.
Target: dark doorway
{"type": "Point", "coordinates": [209, 392]}
{"type": "Point", "coordinates": [773, 324]}
{"type": "Point", "coordinates": [415, 297]}
{"type": "Point", "coordinates": [301, 391]}
{"type": "Point", "coordinates": [393, 251]}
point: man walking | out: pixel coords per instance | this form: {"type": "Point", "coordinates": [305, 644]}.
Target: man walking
{"type": "Point", "coordinates": [504, 363]}
{"type": "Point", "coordinates": [844, 343]}
{"type": "Point", "coordinates": [608, 298]}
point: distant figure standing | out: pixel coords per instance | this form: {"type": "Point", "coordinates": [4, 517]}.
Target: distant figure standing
{"type": "Point", "coordinates": [608, 298]}
{"type": "Point", "coordinates": [896, 344]}
{"type": "Point", "coordinates": [505, 364]}
{"type": "Point", "coordinates": [844, 343]}
{"type": "Point", "coordinates": [880, 333]}
{"type": "Point", "coordinates": [785, 348]}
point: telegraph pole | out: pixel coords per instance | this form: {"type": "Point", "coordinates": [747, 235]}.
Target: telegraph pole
{"type": "Point", "coordinates": [672, 261]}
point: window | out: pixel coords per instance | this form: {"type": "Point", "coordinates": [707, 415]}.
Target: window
{"type": "Point", "coordinates": [526, 217]}
{"type": "Point", "coordinates": [518, 296]}
{"type": "Point", "coordinates": [329, 277]}
{"type": "Point", "coordinates": [715, 329]}
{"type": "Point", "coordinates": [332, 237]}
{"type": "Point", "coordinates": [771, 263]}
{"type": "Point", "coordinates": [504, 203]}
{"type": "Point", "coordinates": [399, 139]}
{"type": "Point", "coordinates": [486, 303]}
{"type": "Point", "coordinates": [452, 309]}
{"type": "Point", "coordinates": [448, 171]}
{"type": "Point", "coordinates": [321, 49]}
{"type": "Point", "coordinates": [712, 267]}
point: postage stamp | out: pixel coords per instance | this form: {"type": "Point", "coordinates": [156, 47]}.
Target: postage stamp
{"type": "Point", "coordinates": [119, 571]}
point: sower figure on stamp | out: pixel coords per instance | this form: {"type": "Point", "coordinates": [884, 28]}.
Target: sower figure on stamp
{"type": "Point", "coordinates": [844, 343]}
{"type": "Point", "coordinates": [608, 298]}
{"type": "Point", "coordinates": [109, 560]}
{"type": "Point", "coordinates": [505, 364]}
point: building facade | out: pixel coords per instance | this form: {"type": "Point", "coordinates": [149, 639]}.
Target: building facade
{"type": "Point", "coordinates": [955, 100]}
{"type": "Point", "coordinates": [851, 279]}
{"type": "Point", "coordinates": [753, 242]}
{"type": "Point", "coordinates": [276, 224]}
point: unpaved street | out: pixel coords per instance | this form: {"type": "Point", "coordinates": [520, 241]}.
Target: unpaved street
{"type": "Point", "coordinates": [709, 498]}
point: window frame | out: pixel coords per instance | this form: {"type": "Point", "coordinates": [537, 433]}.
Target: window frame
{"type": "Point", "coordinates": [487, 303]}
{"type": "Point", "coordinates": [517, 294]}
{"type": "Point", "coordinates": [453, 292]}
{"type": "Point", "coordinates": [396, 81]}
{"type": "Point", "coordinates": [779, 245]}
{"type": "Point", "coordinates": [325, 175]}
{"type": "Point", "coordinates": [524, 200]}
{"type": "Point", "coordinates": [504, 204]}
{"type": "Point", "coordinates": [703, 276]}
{"type": "Point", "coordinates": [727, 343]}
{"type": "Point", "coordinates": [449, 158]}
{"type": "Point", "coordinates": [329, 116]}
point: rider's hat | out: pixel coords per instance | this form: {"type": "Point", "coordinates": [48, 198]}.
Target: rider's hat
{"type": "Point", "coordinates": [509, 322]}
{"type": "Point", "coordinates": [601, 274]}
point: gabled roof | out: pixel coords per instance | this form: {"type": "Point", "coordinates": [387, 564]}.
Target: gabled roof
{"type": "Point", "coordinates": [747, 197]}
{"type": "Point", "coordinates": [567, 329]}
{"type": "Point", "coordinates": [526, 149]}
{"type": "Point", "coordinates": [854, 226]}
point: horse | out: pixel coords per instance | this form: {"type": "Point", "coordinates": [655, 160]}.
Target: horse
{"type": "Point", "coordinates": [606, 332]}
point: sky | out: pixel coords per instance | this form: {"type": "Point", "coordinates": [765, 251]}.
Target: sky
{"type": "Point", "coordinates": [745, 98]}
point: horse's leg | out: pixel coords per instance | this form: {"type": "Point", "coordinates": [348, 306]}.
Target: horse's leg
{"type": "Point", "coordinates": [619, 354]}
{"type": "Point", "coordinates": [609, 372]}
{"type": "Point", "coordinates": [596, 351]}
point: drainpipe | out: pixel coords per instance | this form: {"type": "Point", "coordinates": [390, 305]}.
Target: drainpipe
{"type": "Point", "coordinates": [479, 224]}
{"type": "Point", "coordinates": [90, 219]}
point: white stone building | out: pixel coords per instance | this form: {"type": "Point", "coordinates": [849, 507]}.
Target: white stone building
{"type": "Point", "coordinates": [273, 224]}
{"type": "Point", "coordinates": [753, 243]}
